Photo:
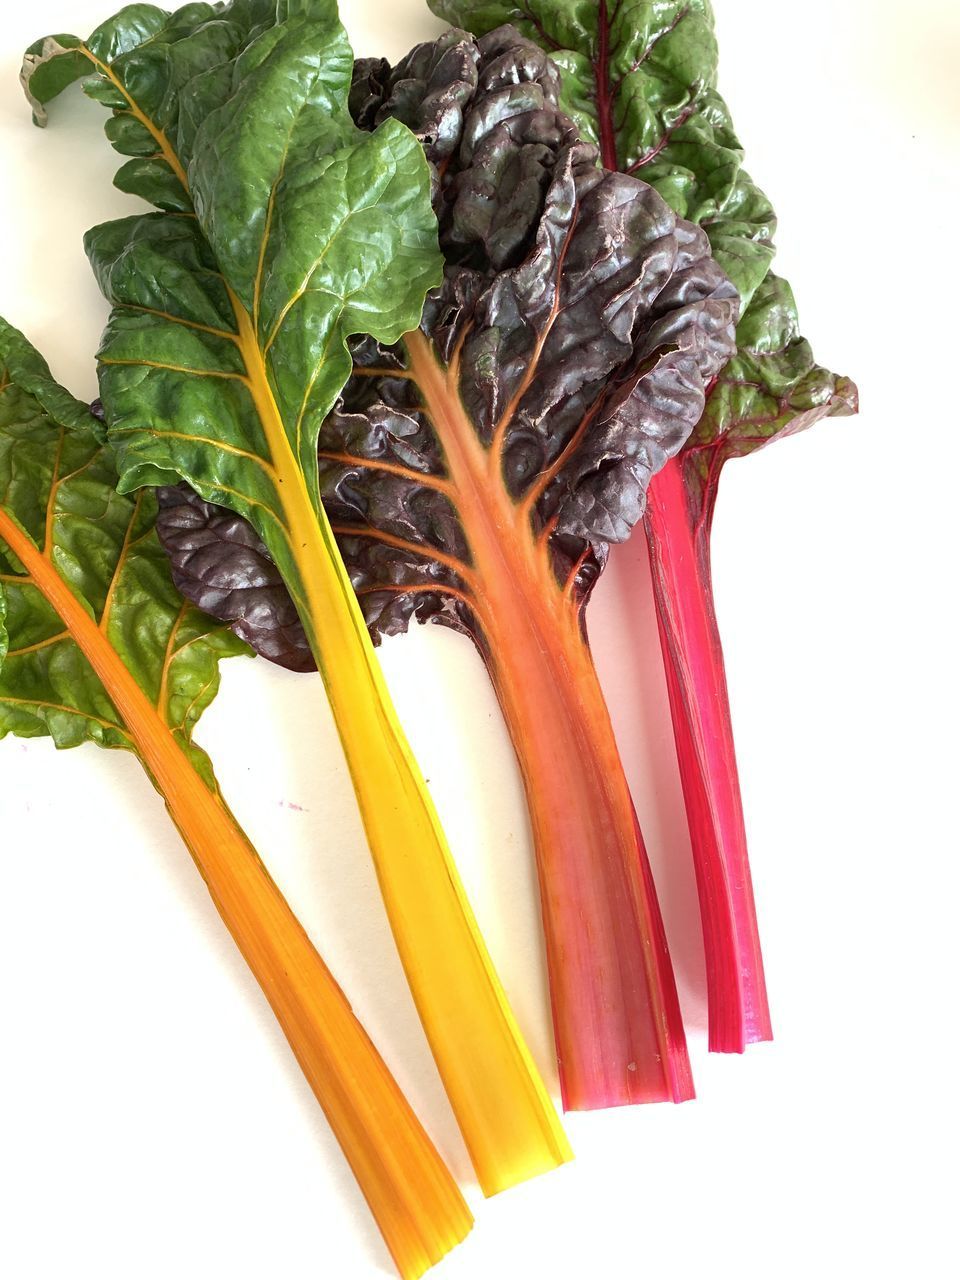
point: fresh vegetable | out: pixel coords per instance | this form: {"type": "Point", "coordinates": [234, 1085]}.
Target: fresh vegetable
{"type": "Point", "coordinates": [285, 230]}
{"type": "Point", "coordinates": [639, 79]}
{"type": "Point", "coordinates": [476, 472]}
{"type": "Point", "coordinates": [100, 647]}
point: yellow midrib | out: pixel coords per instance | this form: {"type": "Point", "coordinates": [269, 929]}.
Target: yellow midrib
{"type": "Point", "coordinates": [311, 541]}
{"type": "Point", "coordinates": [316, 557]}
{"type": "Point", "coordinates": [161, 139]}
{"type": "Point", "coordinates": [410, 1191]}
{"type": "Point", "coordinates": [507, 1119]}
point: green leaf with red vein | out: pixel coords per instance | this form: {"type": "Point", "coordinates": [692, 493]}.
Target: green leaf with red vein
{"type": "Point", "coordinates": [772, 388]}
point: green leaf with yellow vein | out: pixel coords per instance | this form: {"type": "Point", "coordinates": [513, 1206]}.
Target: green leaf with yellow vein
{"type": "Point", "coordinates": [192, 391]}
{"type": "Point", "coordinates": [58, 489]}
{"type": "Point", "coordinates": [227, 344]}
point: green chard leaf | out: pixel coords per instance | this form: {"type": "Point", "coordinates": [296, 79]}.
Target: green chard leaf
{"type": "Point", "coordinates": [59, 486]}
{"type": "Point", "coordinates": [772, 388]}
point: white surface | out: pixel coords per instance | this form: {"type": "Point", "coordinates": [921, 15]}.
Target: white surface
{"type": "Point", "coordinates": [152, 1121]}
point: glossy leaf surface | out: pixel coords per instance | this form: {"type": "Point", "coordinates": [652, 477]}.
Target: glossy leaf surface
{"type": "Point", "coordinates": [216, 553]}
{"type": "Point", "coordinates": [582, 321]}
{"type": "Point", "coordinates": [639, 80]}
{"type": "Point", "coordinates": [639, 77]}
{"type": "Point", "coordinates": [59, 485]}
{"type": "Point", "coordinates": [240, 112]}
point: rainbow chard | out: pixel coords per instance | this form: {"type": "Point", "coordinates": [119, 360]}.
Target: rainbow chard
{"type": "Point", "coordinates": [98, 646]}
{"type": "Point", "coordinates": [639, 79]}
{"type": "Point", "coordinates": [476, 472]}
{"type": "Point", "coordinates": [285, 230]}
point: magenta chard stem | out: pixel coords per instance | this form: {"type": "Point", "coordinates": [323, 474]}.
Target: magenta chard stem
{"type": "Point", "coordinates": [678, 542]}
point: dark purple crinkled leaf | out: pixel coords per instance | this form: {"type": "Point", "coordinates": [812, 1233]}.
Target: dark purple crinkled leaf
{"type": "Point", "coordinates": [639, 77]}
{"type": "Point", "coordinates": [217, 557]}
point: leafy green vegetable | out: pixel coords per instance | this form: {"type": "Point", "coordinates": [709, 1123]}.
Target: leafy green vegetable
{"type": "Point", "coordinates": [639, 76]}
{"type": "Point", "coordinates": [242, 314]}
{"type": "Point", "coordinates": [103, 649]}
{"type": "Point", "coordinates": [285, 229]}
{"type": "Point", "coordinates": [477, 471]}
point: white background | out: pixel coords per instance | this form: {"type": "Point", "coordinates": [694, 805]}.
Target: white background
{"type": "Point", "coordinates": [152, 1121]}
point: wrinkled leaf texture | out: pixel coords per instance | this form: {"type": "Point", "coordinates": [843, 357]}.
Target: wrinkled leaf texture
{"type": "Point", "coordinates": [639, 77]}
{"type": "Point", "coordinates": [59, 485]}
{"type": "Point", "coordinates": [581, 319]}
